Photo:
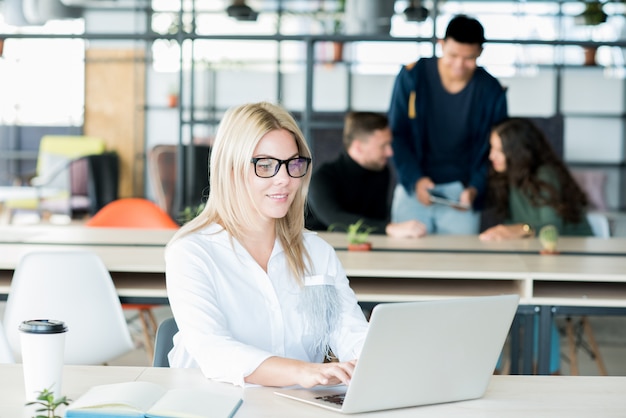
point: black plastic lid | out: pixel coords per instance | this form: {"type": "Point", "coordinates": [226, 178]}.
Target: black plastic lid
{"type": "Point", "coordinates": [43, 326]}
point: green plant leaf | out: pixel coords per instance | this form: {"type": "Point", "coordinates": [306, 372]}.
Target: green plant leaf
{"type": "Point", "coordinates": [357, 233]}
{"type": "Point", "coordinates": [48, 404]}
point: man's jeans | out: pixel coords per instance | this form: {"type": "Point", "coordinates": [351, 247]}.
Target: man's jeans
{"type": "Point", "coordinates": [438, 218]}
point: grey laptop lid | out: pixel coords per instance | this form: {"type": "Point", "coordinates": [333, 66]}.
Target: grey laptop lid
{"type": "Point", "coordinates": [419, 353]}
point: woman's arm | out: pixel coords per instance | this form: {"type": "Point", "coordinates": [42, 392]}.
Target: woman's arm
{"type": "Point", "coordinates": [278, 371]}
{"type": "Point", "coordinates": [217, 318]}
{"type": "Point", "coordinates": [526, 217]}
{"type": "Point", "coordinates": [347, 336]}
{"type": "Point", "coordinates": [503, 232]}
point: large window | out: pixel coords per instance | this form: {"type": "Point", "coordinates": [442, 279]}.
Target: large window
{"type": "Point", "coordinates": [525, 22]}
{"type": "Point", "coordinates": [42, 80]}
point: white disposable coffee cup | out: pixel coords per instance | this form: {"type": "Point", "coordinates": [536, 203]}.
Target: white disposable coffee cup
{"type": "Point", "coordinates": [43, 347]}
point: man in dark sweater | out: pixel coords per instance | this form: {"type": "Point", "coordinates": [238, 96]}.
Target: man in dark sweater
{"type": "Point", "coordinates": [441, 114]}
{"type": "Point", "coordinates": [358, 184]}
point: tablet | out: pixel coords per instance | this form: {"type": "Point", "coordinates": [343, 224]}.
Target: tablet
{"type": "Point", "coordinates": [437, 197]}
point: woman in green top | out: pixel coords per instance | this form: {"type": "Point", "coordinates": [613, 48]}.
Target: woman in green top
{"type": "Point", "coordinates": [530, 186]}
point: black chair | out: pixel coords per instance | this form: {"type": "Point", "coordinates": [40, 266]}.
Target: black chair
{"type": "Point", "coordinates": [164, 342]}
{"type": "Point", "coordinates": [103, 180]}
{"type": "Point", "coordinates": [162, 165]}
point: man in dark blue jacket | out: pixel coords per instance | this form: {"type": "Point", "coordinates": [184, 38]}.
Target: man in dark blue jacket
{"type": "Point", "coordinates": [442, 110]}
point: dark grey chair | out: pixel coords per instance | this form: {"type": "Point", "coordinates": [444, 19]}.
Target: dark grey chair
{"type": "Point", "coordinates": [164, 342]}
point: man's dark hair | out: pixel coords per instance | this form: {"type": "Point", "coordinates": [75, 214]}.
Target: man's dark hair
{"type": "Point", "coordinates": [465, 30]}
{"type": "Point", "coordinates": [358, 124]}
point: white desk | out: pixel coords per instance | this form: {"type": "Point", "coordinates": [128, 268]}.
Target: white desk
{"type": "Point", "coordinates": [73, 235]}
{"type": "Point", "coordinates": [136, 256]}
{"type": "Point", "coordinates": [595, 284]}
{"type": "Point", "coordinates": [507, 396]}
{"type": "Point", "coordinates": [28, 193]}
{"type": "Point", "coordinates": [25, 192]}
{"type": "Point", "coordinates": [78, 235]}
{"type": "Point", "coordinates": [471, 244]}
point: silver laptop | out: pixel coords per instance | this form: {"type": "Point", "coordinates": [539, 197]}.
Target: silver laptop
{"type": "Point", "coordinates": [421, 353]}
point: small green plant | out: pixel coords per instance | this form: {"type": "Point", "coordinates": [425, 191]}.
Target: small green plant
{"type": "Point", "coordinates": [549, 236]}
{"type": "Point", "coordinates": [593, 14]}
{"type": "Point", "coordinates": [358, 233]}
{"type": "Point", "coordinates": [189, 213]}
{"type": "Point", "coordinates": [48, 404]}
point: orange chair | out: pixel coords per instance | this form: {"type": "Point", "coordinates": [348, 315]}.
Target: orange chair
{"type": "Point", "coordinates": [132, 212]}
{"type": "Point", "coordinates": [135, 213]}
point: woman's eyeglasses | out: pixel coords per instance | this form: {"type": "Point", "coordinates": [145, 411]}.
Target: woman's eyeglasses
{"type": "Point", "coordinates": [268, 167]}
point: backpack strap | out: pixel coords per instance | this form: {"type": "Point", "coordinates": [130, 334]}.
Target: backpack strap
{"type": "Point", "coordinates": [412, 113]}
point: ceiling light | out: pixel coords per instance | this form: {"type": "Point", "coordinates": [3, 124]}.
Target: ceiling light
{"type": "Point", "coordinates": [415, 12]}
{"type": "Point", "coordinates": [239, 10]}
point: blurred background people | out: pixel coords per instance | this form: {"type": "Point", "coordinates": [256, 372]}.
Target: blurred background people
{"type": "Point", "coordinates": [530, 187]}
{"type": "Point", "coordinates": [358, 184]}
{"type": "Point", "coordinates": [441, 113]}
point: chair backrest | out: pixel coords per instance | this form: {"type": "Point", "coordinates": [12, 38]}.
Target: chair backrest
{"type": "Point", "coordinates": [593, 183]}
{"type": "Point", "coordinates": [6, 356]}
{"type": "Point", "coordinates": [103, 180]}
{"type": "Point", "coordinates": [164, 342]}
{"type": "Point", "coordinates": [162, 169]}
{"type": "Point", "coordinates": [56, 151]}
{"type": "Point", "coordinates": [74, 287]}
{"type": "Point", "coordinates": [132, 212]}
{"type": "Point", "coordinates": [162, 165]}
{"type": "Point", "coordinates": [599, 225]}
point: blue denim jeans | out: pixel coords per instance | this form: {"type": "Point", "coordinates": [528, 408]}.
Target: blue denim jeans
{"type": "Point", "coordinates": [438, 218]}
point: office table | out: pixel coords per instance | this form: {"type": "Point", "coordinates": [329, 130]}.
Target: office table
{"type": "Point", "coordinates": [507, 396]}
{"type": "Point", "coordinates": [8, 193]}
{"type": "Point", "coordinates": [470, 244]}
{"type": "Point", "coordinates": [547, 285]}
{"type": "Point", "coordinates": [26, 192]}
{"type": "Point", "coordinates": [85, 236]}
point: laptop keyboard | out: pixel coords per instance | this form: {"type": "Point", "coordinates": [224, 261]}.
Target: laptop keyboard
{"type": "Point", "coordinates": [334, 399]}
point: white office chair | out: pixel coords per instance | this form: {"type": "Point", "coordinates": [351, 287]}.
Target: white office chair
{"type": "Point", "coordinates": [6, 356]}
{"type": "Point", "coordinates": [74, 287]}
{"type": "Point", "coordinates": [599, 225]}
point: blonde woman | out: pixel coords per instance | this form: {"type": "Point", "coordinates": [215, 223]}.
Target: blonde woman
{"type": "Point", "coordinates": [257, 299]}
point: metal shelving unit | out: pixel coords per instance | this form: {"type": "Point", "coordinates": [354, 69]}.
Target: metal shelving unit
{"type": "Point", "coordinates": [191, 113]}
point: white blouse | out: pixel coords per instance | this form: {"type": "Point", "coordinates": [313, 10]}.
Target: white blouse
{"type": "Point", "coordinates": [232, 315]}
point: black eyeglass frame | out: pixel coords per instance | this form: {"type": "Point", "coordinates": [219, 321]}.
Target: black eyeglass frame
{"type": "Point", "coordinates": [255, 160]}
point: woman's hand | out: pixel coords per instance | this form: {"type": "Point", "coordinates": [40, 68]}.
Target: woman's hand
{"type": "Point", "coordinates": [467, 197]}
{"type": "Point", "coordinates": [280, 371]}
{"type": "Point", "coordinates": [314, 374]}
{"type": "Point", "coordinates": [406, 229]}
{"type": "Point", "coordinates": [504, 232]}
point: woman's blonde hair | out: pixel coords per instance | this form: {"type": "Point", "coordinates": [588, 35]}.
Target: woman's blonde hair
{"type": "Point", "coordinates": [229, 200]}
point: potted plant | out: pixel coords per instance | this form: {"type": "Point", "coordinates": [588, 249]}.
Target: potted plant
{"type": "Point", "coordinates": [592, 15]}
{"type": "Point", "coordinates": [172, 96]}
{"type": "Point", "coordinates": [337, 28]}
{"type": "Point", "coordinates": [48, 404]}
{"type": "Point", "coordinates": [357, 234]}
{"type": "Point", "coordinates": [189, 212]}
{"type": "Point", "coordinates": [549, 236]}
